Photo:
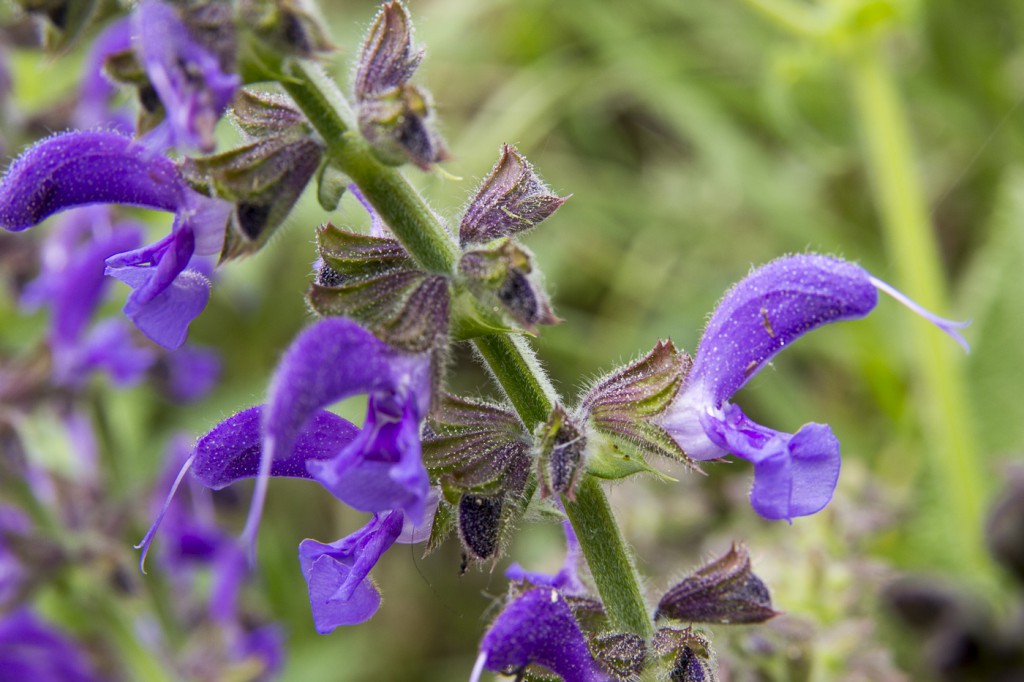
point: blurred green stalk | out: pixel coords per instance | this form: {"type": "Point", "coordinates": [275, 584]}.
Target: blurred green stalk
{"type": "Point", "coordinates": [913, 249]}
{"type": "Point", "coordinates": [856, 39]}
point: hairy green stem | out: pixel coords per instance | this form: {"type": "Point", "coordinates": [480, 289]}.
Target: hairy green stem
{"type": "Point", "coordinates": [510, 359]}
{"type": "Point", "coordinates": [915, 253]}
{"type": "Point", "coordinates": [602, 543]}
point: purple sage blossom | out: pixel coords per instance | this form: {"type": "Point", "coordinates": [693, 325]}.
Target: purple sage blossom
{"type": "Point", "coordinates": [794, 474]}
{"type": "Point", "coordinates": [187, 77]}
{"type": "Point", "coordinates": [538, 628]}
{"type": "Point", "coordinates": [33, 650]}
{"type": "Point", "coordinates": [340, 593]}
{"type": "Point", "coordinates": [82, 168]}
{"type": "Point", "coordinates": [381, 469]}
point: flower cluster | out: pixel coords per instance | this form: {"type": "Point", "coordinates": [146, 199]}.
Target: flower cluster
{"type": "Point", "coordinates": [426, 462]}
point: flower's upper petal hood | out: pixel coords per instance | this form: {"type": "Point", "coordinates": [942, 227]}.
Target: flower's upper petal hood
{"type": "Point", "coordinates": [769, 309]}
{"type": "Point", "coordinates": [538, 627]}
{"type": "Point", "coordinates": [794, 474]}
{"type": "Point", "coordinates": [232, 450]}
{"type": "Point", "coordinates": [85, 167]}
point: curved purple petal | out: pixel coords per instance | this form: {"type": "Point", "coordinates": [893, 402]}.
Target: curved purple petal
{"type": "Point", "coordinates": [567, 580]}
{"type": "Point", "coordinates": [340, 593]}
{"type": "Point", "coordinates": [232, 450]}
{"type": "Point", "coordinates": [85, 167]}
{"type": "Point", "coordinates": [539, 628]}
{"type": "Point", "coordinates": [794, 474]}
{"type": "Point", "coordinates": [187, 78]}
{"type": "Point", "coordinates": [769, 309]}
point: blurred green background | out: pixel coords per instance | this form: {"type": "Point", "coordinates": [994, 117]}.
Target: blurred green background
{"type": "Point", "coordinates": [697, 137]}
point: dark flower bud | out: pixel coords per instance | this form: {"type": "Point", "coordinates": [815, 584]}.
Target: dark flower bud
{"type": "Point", "coordinates": [502, 275]}
{"type": "Point", "coordinates": [480, 521]}
{"type": "Point", "coordinates": [1005, 529]}
{"type": "Point", "coordinates": [400, 127]}
{"type": "Point", "coordinates": [691, 657]}
{"type": "Point", "coordinates": [512, 199]}
{"type": "Point", "coordinates": [395, 116]}
{"type": "Point", "coordinates": [623, 654]}
{"type": "Point", "coordinates": [292, 27]}
{"type": "Point", "coordinates": [723, 591]}
{"type": "Point", "coordinates": [625, 404]}
{"type": "Point", "coordinates": [264, 180]}
{"type": "Point", "coordinates": [562, 448]}
{"type": "Point", "coordinates": [379, 286]}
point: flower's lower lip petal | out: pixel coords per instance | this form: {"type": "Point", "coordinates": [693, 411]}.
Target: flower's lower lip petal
{"type": "Point", "coordinates": [794, 475]}
{"type": "Point", "coordinates": [164, 319]}
{"type": "Point", "coordinates": [325, 576]}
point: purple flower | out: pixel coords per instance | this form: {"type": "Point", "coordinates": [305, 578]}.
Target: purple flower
{"type": "Point", "coordinates": [794, 474]}
{"type": "Point", "coordinates": [340, 593]}
{"type": "Point", "coordinates": [187, 77]}
{"type": "Point", "coordinates": [381, 468]}
{"type": "Point", "coordinates": [33, 650]}
{"type": "Point", "coordinates": [189, 373]}
{"type": "Point", "coordinates": [94, 108]}
{"type": "Point", "coordinates": [538, 628]}
{"type": "Point", "coordinates": [82, 168]}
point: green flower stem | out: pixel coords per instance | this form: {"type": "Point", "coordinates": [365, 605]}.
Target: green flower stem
{"type": "Point", "coordinates": [912, 247]}
{"type": "Point", "coordinates": [604, 547]}
{"type": "Point", "coordinates": [511, 360]}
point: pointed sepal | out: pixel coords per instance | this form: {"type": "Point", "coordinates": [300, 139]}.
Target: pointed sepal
{"type": "Point", "coordinates": [625, 404]}
{"type": "Point", "coordinates": [511, 200]}
{"type": "Point", "coordinates": [504, 276]}
{"type": "Point", "coordinates": [561, 453]}
{"type": "Point", "coordinates": [723, 591]}
{"type": "Point", "coordinates": [263, 179]}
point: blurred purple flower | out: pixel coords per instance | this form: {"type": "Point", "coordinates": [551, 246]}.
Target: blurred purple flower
{"type": "Point", "coordinates": [189, 373]}
{"type": "Point", "coordinates": [340, 593]}
{"type": "Point", "coordinates": [13, 522]}
{"type": "Point", "coordinates": [188, 78]}
{"type": "Point", "coordinates": [33, 650]}
{"type": "Point", "coordinates": [82, 168]}
{"type": "Point", "coordinates": [794, 474]}
{"type": "Point", "coordinates": [94, 109]}
{"type": "Point", "coordinates": [539, 628]}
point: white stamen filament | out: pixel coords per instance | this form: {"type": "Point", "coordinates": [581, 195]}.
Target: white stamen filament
{"type": "Point", "coordinates": [948, 326]}
{"type": "Point", "coordinates": [259, 498]}
{"type": "Point", "coordinates": [478, 667]}
{"type": "Point", "coordinates": [147, 539]}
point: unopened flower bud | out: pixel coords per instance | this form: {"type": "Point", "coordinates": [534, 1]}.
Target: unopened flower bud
{"type": "Point", "coordinates": [512, 199]}
{"type": "Point", "coordinates": [292, 27]}
{"type": "Point", "coordinates": [480, 518]}
{"type": "Point", "coordinates": [690, 654]}
{"type": "Point", "coordinates": [723, 591]}
{"type": "Point", "coordinates": [562, 448]}
{"type": "Point", "coordinates": [504, 275]}
{"type": "Point", "coordinates": [623, 654]}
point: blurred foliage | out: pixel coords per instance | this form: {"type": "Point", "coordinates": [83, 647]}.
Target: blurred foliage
{"type": "Point", "coordinates": [697, 138]}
